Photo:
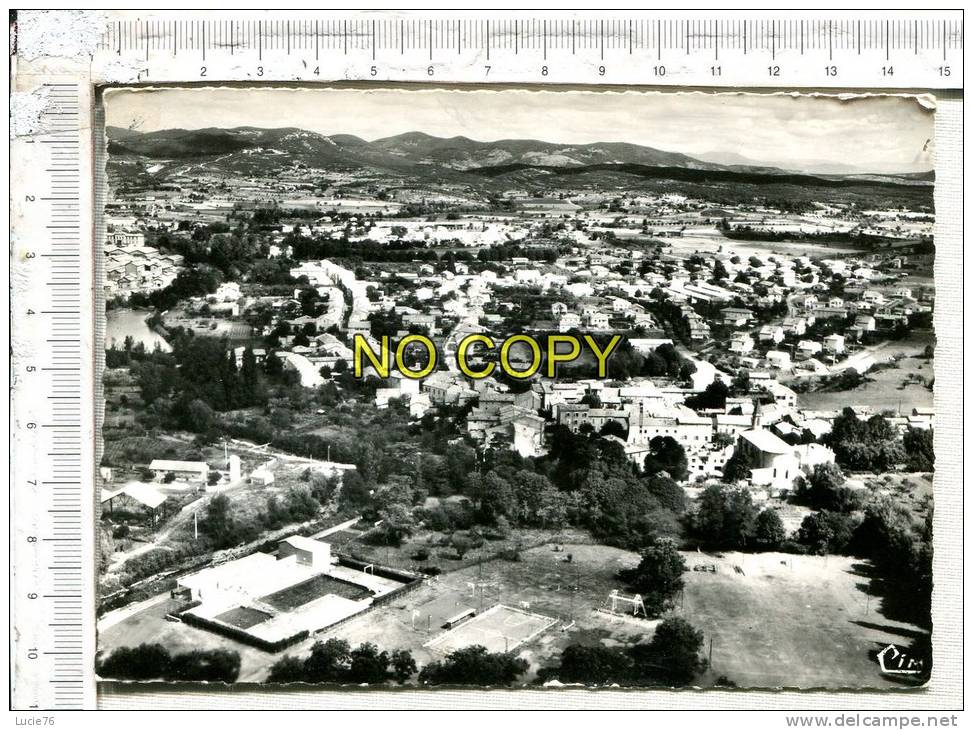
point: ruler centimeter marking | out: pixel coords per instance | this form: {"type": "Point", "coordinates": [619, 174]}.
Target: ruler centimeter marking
{"type": "Point", "coordinates": [682, 36]}
{"type": "Point", "coordinates": [51, 495]}
{"type": "Point", "coordinates": [904, 52]}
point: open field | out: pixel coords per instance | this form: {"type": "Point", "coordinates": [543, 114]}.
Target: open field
{"type": "Point", "coordinates": [789, 620]}
{"type": "Point", "coordinates": [885, 388]}
{"type": "Point", "coordinates": [711, 241]}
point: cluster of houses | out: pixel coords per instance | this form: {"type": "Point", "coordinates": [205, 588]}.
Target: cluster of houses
{"type": "Point", "coordinates": [131, 266]}
{"type": "Point", "coordinates": [594, 284]}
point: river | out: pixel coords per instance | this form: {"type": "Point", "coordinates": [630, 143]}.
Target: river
{"type": "Point", "coordinates": [125, 322]}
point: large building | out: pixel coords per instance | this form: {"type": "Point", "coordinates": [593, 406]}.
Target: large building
{"type": "Point", "coordinates": [775, 462]}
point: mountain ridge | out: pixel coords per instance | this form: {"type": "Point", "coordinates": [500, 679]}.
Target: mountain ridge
{"type": "Point", "coordinates": [420, 153]}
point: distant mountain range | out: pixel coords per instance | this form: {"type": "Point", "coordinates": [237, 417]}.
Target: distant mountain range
{"type": "Point", "coordinates": [249, 149]}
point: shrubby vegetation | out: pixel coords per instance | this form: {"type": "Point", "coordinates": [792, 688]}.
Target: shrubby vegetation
{"type": "Point", "coordinates": [226, 527]}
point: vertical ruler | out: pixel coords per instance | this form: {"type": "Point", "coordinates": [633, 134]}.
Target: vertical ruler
{"type": "Point", "coordinates": [51, 488]}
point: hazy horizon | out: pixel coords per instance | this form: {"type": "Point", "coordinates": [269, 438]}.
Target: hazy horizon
{"type": "Point", "coordinates": [867, 134]}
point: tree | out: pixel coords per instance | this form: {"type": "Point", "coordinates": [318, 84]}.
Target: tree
{"type": "Point", "coordinates": [200, 665]}
{"type": "Point", "coordinates": [739, 466]}
{"type": "Point", "coordinates": [368, 665]}
{"type": "Point", "coordinates": [825, 489]}
{"type": "Point", "coordinates": [145, 661]}
{"type": "Point", "coordinates": [153, 661]}
{"type": "Point", "coordinates": [201, 417]}
{"type": "Point", "coordinates": [614, 428]}
{"type": "Point", "coordinates": [474, 665]}
{"type": "Point", "coordinates": [658, 576]}
{"type": "Point", "coordinates": [899, 544]}
{"type": "Point", "coordinates": [769, 530]}
{"type": "Point", "coordinates": [670, 495]}
{"type": "Point", "coordinates": [918, 444]}
{"type": "Point", "coordinates": [553, 507]}
{"type": "Point", "coordinates": [827, 532]}
{"type": "Point", "coordinates": [495, 497]}
{"type": "Point", "coordinates": [286, 669]}
{"type": "Point", "coordinates": [672, 657]}
{"type": "Point", "coordinates": [354, 492]}
{"type": "Point", "coordinates": [713, 397]}
{"type": "Point", "coordinates": [666, 454]}
{"type": "Point", "coordinates": [461, 544]}
{"type": "Point", "coordinates": [871, 445]}
{"type": "Point", "coordinates": [597, 665]}
{"type": "Point", "coordinates": [327, 661]}
{"type": "Point", "coordinates": [403, 665]}
{"type": "Point", "coordinates": [218, 522]}
{"type": "Point", "coordinates": [725, 517]}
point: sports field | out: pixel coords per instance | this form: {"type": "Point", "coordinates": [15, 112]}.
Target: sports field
{"type": "Point", "coordinates": [499, 628]}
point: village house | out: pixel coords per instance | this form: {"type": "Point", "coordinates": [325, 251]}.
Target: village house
{"type": "Point", "coordinates": [834, 344]}
{"type": "Point", "coordinates": [808, 348]}
{"type": "Point", "coordinates": [741, 342]}
{"type": "Point", "coordinates": [734, 317]}
{"type": "Point", "coordinates": [771, 333]}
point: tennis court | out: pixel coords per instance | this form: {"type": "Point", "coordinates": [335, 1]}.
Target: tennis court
{"type": "Point", "coordinates": [500, 629]}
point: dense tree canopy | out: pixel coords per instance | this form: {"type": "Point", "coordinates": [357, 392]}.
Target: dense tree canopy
{"type": "Point", "coordinates": [666, 455]}
{"type": "Point", "coordinates": [154, 661]}
{"type": "Point", "coordinates": [871, 445]}
{"type": "Point", "coordinates": [725, 517]}
{"type": "Point", "coordinates": [672, 658]}
{"type": "Point", "coordinates": [474, 665]}
{"type": "Point", "coordinates": [335, 662]}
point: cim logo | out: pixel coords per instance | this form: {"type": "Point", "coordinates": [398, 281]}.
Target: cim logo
{"type": "Point", "coordinates": [893, 660]}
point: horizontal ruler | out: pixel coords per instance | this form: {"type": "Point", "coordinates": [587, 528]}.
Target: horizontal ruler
{"type": "Point", "coordinates": [921, 51]}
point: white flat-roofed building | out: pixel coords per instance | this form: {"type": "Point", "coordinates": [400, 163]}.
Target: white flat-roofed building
{"type": "Point", "coordinates": [186, 469]}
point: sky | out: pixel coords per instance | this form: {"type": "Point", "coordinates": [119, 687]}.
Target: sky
{"type": "Point", "coordinates": [799, 132]}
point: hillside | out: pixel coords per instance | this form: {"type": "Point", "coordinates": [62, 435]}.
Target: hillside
{"type": "Point", "coordinates": [489, 165]}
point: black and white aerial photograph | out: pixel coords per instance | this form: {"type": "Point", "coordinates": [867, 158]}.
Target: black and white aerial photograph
{"type": "Point", "coordinates": [419, 388]}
